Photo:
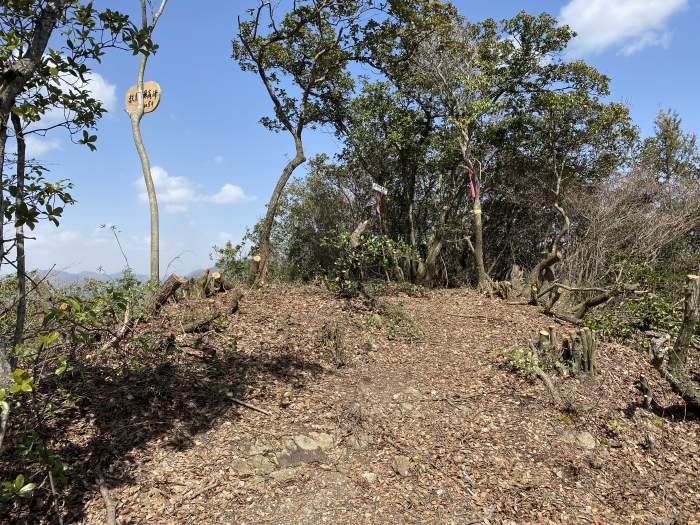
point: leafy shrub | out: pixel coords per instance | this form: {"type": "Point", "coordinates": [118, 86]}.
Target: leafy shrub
{"type": "Point", "coordinates": [59, 327]}
{"type": "Point", "coordinates": [522, 360]}
{"type": "Point", "coordinates": [16, 488]}
{"type": "Point", "coordinates": [415, 330]}
{"type": "Point", "coordinates": [396, 322]}
{"type": "Point", "coordinates": [372, 321]}
{"type": "Point", "coordinates": [638, 314]}
{"type": "Point", "coordinates": [615, 427]}
{"type": "Point", "coordinates": [653, 310]}
{"type": "Point", "coordinates": [230, 262]}
{"type": "Point", "coordinates": [376, 257]}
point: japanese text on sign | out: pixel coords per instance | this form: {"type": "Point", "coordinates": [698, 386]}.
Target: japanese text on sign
{"type": "Point", "coordinates": [151, 97]}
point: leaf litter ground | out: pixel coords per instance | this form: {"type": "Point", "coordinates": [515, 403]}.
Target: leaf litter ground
{"type": "Point", "coordinates": [424, 424]}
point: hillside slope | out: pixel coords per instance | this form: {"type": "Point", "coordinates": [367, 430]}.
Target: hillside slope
{"type": "Point", "coordinates": [423, 424]}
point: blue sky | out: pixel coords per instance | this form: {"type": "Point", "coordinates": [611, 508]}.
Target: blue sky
{"type": "Point", "coordinates": [216, 165]}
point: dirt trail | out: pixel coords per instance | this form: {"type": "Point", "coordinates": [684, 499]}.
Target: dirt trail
{"type": "Point", "coordinates": [424, 428]}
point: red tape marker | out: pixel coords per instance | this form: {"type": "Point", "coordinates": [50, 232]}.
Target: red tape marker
{"type": "Point", "coordinates": [471, 182]}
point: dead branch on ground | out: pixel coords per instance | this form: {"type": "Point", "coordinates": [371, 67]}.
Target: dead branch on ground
{"type": "Point", "coordinates": [110, 507]}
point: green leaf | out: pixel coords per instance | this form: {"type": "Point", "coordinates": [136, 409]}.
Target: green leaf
{"type": "Point", "coordinates": [19, 482]}
{"type": "Point", "coordinates": [26, 490]}
{"type": "Point", "coordinates": [49, 339]}
{"type": "Point", "coordinates": [63, 365]}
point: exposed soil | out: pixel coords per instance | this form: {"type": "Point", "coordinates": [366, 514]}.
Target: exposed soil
{"type": "Point", "coordinates": [423, 424]}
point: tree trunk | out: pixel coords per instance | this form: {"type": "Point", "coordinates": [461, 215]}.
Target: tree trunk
{"type": "Point", "coordinates": [14, 79]}
{"type": "Point", "coordinates": [554, 255]}
{"type": "Point", "coordinates": [19, 233]}
{"type": "Point", "coordinates": [691, 321]}
{"type": "Point", "coordinates": [479, 245]}
{"type": "Point", "coordinates": [409, 210]}
{"type": "Point", "coordinates": [5, 360]}
{"type": "Point", "coordinates": [581, 309]}
{"type": "Point", "coordinates": [533, 280]}
{"type": "Point", "coordinates": [5, 367]}
{"type": "Point", "coordinates": [136, 117]}
{"type": "Point", "coordinates": [412, 265]}
{"type": "Point", "coordinates": [171, 285]}
{"type": "Point", "coordinates": [676, 373]}
{"type": "Point", "coordinates": [3, 143]}
{"type": "Point", "coordinates": [16, 76]}
{"type": "Point", "coordinates": [429, 275]}
{"type": "Point", "coordinates": [484, 282]}
{"type": "Point", "coordinates": [264, 244]}
{"type": "Point", "coordinates": [427, 270]}
{"type": "Point", "coordinates": [355, 236]}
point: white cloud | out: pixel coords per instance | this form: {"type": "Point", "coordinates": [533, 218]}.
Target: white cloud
{"type": "Point", "coordinates": [218, 159]}
{"type": "Point", "coordinates": [230, 194]}
{"type": "Point", "coordinates": [628, 25]}
{"type": "Point", "coordinates": [99, 88]}
{"type": "Point", "coordinates": [648, 40]}
{"type": "Point", "coordinates": [80, 249]}
{"type": "Point", "coordinates": [178, 193]}
{"type": "Point", "coordinates": [102, 90]}
{"type": "Point", "coordinates": [86, 248]}
{"type": "Point", "coordinates": [45, 237]}
{"type": "Point", "coordinates": [39, 146]}
{"type": "Point", "coordinates": [175, 193]}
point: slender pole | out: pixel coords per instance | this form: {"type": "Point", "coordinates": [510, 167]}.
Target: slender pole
{"type": "Point", "coordinates": [136, 117]}
{"type": "Point", "coordinates": [19, 234]}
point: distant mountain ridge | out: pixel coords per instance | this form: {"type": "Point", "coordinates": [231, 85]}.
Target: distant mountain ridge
{"type": "Point", "coordinates": [65, 278]}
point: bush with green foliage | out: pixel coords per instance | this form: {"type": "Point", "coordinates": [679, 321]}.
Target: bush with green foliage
{"type": "Point", "coordinates": [61, 326]}
{"type": "Point", "coordinates": [229, 260]}
{"type": "Point", "coordinates": [655, 308]}
{"type": "Point", "coordinates": [376, 257]}
{"type": "Point", "coordinates": [632, 315]}
{"type": "Point", "coordinates": [522, 360]}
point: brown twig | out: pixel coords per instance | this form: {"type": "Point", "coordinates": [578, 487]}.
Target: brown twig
{"type": "Point", "coordinates": [204, 489]}
{"type": "Point", "coordinates": [123, 331]}
{"type": "Point", "coordinates": [4, 418]}
{"type": "Point", "coordinates": [546, 380]}
{"type": "Point", "coordinates": [484, 317]}
{"type": "Point", "coordinates": [548, 383]}
{"type": "Point", "coordinates": [251, 407]}
{"type": "Point", "coordinates": [55, 498]}
{"type": "Point", "coordinates": [106, 496]}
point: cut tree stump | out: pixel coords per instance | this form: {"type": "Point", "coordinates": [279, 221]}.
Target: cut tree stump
{"type": "Point", "coordinates": [167, 290]}
{"type": "Point", "coordinates": [578, 350]}
{"type": "Point", "coordinates": [204, 324]}
{"type": "Point", "coordinates": [178, 288]}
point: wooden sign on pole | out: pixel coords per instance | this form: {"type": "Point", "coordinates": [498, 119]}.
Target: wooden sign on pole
{"type": "Point", "coordinates": [151, 97]}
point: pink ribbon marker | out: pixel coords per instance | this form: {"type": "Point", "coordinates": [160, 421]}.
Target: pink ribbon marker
{"type": "Point", "coordinates": [471, 182]}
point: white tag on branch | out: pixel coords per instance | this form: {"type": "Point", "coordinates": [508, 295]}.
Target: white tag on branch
{"type": "Point", "coordinates": [380, 189]}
